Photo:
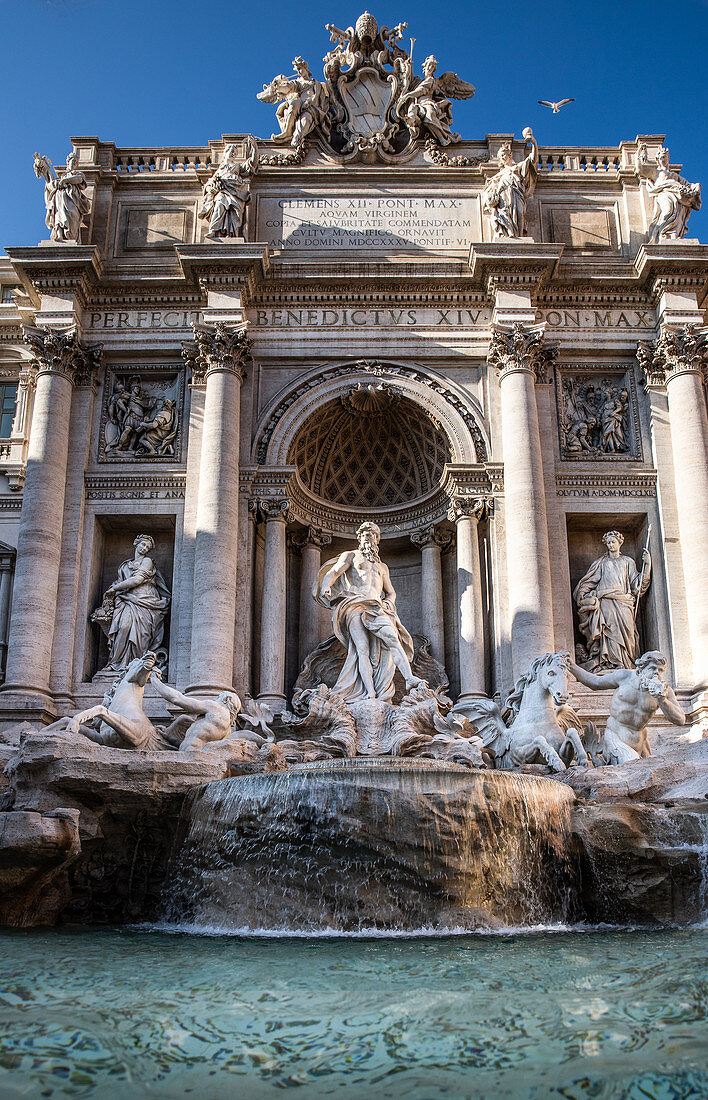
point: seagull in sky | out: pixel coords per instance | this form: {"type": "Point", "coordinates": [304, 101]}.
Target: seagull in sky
{"type": "Point", "coordinates": [555, 106]}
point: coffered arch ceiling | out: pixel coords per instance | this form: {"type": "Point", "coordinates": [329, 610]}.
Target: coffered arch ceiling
{"type": "Point", "coordinates": [371, 447]}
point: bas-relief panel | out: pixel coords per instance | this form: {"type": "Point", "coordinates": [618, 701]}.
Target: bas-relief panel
{"type": "Point", "coordinates": [142, 414]}
{"type": "Point", "coordinates": [597, 414]}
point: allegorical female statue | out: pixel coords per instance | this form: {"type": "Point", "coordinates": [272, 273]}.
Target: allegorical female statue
{"type": "Point", "coordinates": [674, 197]}
{"type": "Point", "coordinates": [64, 198]}
{"type": "Point", "coordinates": [134, 607]}
{"type": "Point", "coordinates": [357, 586]}
{"type": "Point", "coordinates": [607, 598]}
{"type": "Point", "coordinates": [504, 197]}
{"type": "Point", "coordinates": [228, 191]}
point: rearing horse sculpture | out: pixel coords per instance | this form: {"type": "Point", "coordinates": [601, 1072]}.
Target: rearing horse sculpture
{"type": "Point", "coordinates": [543, 728]}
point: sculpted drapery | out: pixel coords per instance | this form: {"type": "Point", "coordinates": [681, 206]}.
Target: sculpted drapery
{"type": "Point", "coordinates": [358, 588]}
{"type": "Point", "coordinates": [136, 604]}
{"type": "Point", "coordinates": [607, 596]}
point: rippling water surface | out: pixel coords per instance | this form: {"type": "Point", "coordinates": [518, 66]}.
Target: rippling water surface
{"type": "Point", "coordinates": [126, 1013]}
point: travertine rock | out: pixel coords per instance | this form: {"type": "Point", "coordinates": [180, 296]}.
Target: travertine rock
{"type": "Point", "coordinates": [643, 835]}
{"type": "Point", "coordinates": [376, 843]}
{"type": "Point", "coordinates": [128, 807]}
{"type": "Point", "coordinates": [35, 851]}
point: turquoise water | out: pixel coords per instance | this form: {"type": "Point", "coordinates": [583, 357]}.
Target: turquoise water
{"type": "Point", "coordinates": [132, 1013]}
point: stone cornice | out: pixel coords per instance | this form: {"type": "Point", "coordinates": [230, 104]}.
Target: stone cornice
{"type": "Point", "coordinates": [513, 263]}
{"type": "Point", "coordinates": [224, 265]}
{"type": "Point", "coordinates": [61, 352]}
{"type": "Point", "coordinates": [677, 351]}
{"type": "Point", "coordinates": [679, 264]}
{"type": "Point", "coordinates": [56, 268]}
{"type": "Point", "coordinates": [614, 484]}
{"type": "Point", "coordinates": [521, 348]}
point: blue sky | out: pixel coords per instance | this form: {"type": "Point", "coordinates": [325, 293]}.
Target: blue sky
{"type": "Point", "coordinates": [153, 72]}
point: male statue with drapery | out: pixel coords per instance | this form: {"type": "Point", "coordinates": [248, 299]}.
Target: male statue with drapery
{"type": "Point", "coordinates": [607, 597]}
{"type": "Point", "coordinates": [357, 586]}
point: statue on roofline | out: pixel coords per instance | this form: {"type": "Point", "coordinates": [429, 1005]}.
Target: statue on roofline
{"type": "Point", "coordinates": [227, 193]}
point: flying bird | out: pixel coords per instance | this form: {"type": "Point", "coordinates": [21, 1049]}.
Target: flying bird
{"type": "Point", "coordinates": [555, 106]}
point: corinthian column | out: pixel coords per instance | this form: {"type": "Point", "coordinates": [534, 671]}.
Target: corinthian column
{"type": "Point", "coordinates": [61, 360]}
{"type": "Point", "coordinates": [465, 513]}
{"type": "Point", "coordinates": [431, 543]}
{"type": "Point", "coordinates": [309, 543]}
{"type": "Point", "coordinates": [273, 622]}
{"type": "Point", "coordinates": [220, 363]}
{"type": "Point", "coordinates": [678, 360]}
{"type": "Point", "coordinates": [519, 356]}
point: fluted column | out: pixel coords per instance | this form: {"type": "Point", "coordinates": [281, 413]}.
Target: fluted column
{"type": "Point", "coordinates": [273, 619]}
{"type": "Point", "coordinates": [678, 360]}
{"type": "Point", "coordinates": [61, 360]}
{"type": "Point", "coordinates": [310, 543]}
{"type": "Point", "coordinates": [432, 543]}
{"type": "Point", "coordinates": [465, 512]}
{"type": "Point", "coordinates": [220, 363]}
{"type": "Point", "coordinates": [518, 353]}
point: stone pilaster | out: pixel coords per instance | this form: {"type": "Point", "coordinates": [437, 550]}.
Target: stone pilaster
{"type": "Point", "coordinates": [7, 569]}
{"type": "Point", "coordinates": [219, 365]}
{"type": "Point", "coordinates": [432, 542]}
{"type": "Point", "coordinates": [310, 543]}
{"type": "Point", "coordinates": [62, 361]}
{"type": "Point", "coordinates": [678, 360]}
{"type": "Point", "coordinates": [520, 357]}
{"type": "Point", "coordinates": [273, 614]}
{"type": "Point", "coordinates": [465, 513]}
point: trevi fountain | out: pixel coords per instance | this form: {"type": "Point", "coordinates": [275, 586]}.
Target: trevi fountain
{"type": "Point", "coordinates": [354, 608]}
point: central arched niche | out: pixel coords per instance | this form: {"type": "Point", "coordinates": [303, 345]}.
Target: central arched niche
{"type": "Point", "coordinates": [370, 448]}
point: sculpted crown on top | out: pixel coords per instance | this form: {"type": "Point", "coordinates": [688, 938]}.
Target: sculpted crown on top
{"type": "Point", "coordinates": [521, 348]}
{"type": "Point", "coordinates": [218, 348]}
{"type": "Point", "coordinates": [370, 102]}
{"type": "Point", "coordinates": [675, 351]}
{"type": "Point", "coordinates": [60, 352]}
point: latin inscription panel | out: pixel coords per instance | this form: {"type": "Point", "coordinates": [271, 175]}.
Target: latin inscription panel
{"type": "Point", "coordinates": [377, 221]}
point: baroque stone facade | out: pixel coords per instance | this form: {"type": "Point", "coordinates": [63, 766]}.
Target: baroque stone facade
{"type": "Point", "coordinates": [493, 348]}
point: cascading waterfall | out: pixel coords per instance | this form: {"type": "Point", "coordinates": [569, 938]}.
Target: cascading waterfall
{"type": "Point", "coordinates": [380, 843]}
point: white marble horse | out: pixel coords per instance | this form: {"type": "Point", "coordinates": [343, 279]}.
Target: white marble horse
{"type": "Point", "coordinates": [123, 722]}
{"type": "Point", "coordinates": [543, 729]}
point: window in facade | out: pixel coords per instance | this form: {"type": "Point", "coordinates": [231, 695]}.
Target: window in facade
{"type": "Point", "coordinates": [8, 405]}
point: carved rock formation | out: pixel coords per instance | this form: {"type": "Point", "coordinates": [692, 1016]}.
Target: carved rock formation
{"type": "Point", "coordinates": [376, 843]}
{"type": "Point", "coordinates": [643, 835]}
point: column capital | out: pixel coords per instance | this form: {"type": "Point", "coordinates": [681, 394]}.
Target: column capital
{"type": "Point", "coordinates": [218, 348]}
{"type": "Point", "coordinates": [271, 509]}
{"type": "Point", "coordinates": [520, 348]}
{"type": "Point", "coordinates": [431, 536]}
{"type": "Point", "coordinates": [311, 536]}
{"type": "Point", "coordinates": [477, 508]}
{"type": "Point", "coordinates": [62, 352]}
{"type": "Point", "coordinates": [676, 351]}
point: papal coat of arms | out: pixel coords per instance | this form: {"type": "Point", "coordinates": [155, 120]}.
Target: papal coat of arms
{"type": "Point", "coordinates": [370, 104]}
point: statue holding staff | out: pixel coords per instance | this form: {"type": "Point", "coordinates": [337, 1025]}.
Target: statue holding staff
{"type": "Point", "coordinates": [607, 597]}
